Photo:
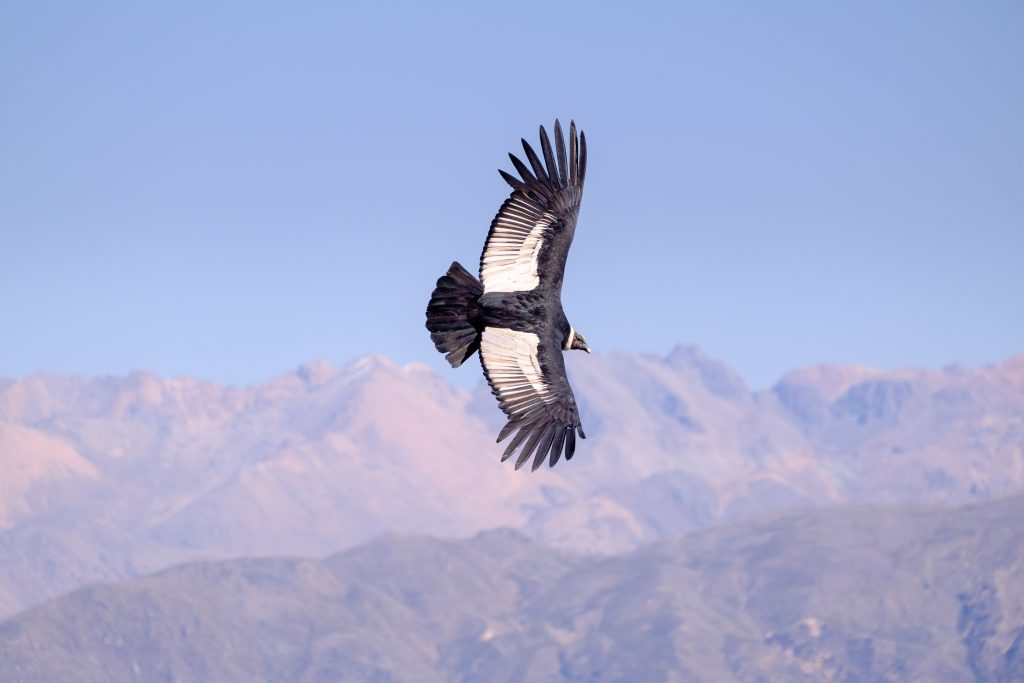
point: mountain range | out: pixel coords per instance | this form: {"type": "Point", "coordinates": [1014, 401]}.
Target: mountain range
{"type": "Point", "coordinates": [852, 594]}
{"type": "Point", "coordinates": [109, 478]}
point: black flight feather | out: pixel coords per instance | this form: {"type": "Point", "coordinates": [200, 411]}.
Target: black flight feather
{"type": "Point", "coordinates": [583, 157]}
{"type": "Point", "coordinates": [530, 445]}
{"type": "Point", "coordinates": [509, 427]}
{"type": "Point", "coordinates": [560, 149]}
{"type": "Point", "coordinates": [514, 444]}
{"type": "Point", "coordinates": [516, 183]}
{"type": "Point", "coordinates": [542, 447]}
{"type": "Point", "coordinates": [556, 445]}
{"type": "Point", "coordinates": [573, 154]}
{"type": "Point", "coordinates": [538, 168]}
{"type": "Point", "coordinates": [524, 173]}
{"type": "Point", "coordinates": [549, 158]}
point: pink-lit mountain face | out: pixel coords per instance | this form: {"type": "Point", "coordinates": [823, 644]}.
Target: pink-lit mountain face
{"type": "Point", "coordinates": [105, 478]}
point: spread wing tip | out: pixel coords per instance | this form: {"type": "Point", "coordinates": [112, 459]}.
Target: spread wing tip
{"type": "Point", "coordinates": [541, 441]}
{"type": "Point", "coordinates": [514, 182]}
{"type": "Point", "coordinates": [556, 166]}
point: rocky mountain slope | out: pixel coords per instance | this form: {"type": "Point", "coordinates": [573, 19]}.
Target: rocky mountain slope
{"type": "Point", "coordinates": [852, 594]}
{"type": "Point", "coordinates": [114, 477]}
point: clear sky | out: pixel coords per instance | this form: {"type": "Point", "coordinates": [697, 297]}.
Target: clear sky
{"type": "Point", "coordinates": [227, 190]}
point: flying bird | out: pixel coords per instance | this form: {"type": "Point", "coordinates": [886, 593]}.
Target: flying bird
{"type": "Point", "coordinates": [513, 314]}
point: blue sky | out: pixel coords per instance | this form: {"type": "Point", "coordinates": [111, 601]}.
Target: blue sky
{"type": "Point", "coordinates": [227, 190]}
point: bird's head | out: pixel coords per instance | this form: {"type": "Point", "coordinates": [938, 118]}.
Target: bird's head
{"type": "Point", "coordinates": [576, 341]}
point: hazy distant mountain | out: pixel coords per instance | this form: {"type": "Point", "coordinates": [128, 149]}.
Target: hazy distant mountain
{"type": "Point", "coordinates": [106, 478]}
{"type": "Point", "coordinates": [825, 595]}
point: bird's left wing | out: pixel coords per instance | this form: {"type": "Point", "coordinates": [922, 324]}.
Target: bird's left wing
{"type": "Point", "coordinates": [528, 378]}
{"type": "Point", "coordinates": [530, 236]}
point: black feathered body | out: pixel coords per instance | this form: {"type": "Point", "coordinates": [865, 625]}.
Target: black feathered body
{"type": "Point", "coordinates": [532, 311]}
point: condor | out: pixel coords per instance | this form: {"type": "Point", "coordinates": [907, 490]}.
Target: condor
{"type": "Point", "coordinates": [513, 315]}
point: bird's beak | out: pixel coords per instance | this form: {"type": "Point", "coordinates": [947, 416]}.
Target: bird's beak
{"type": "Point", "coordinates": [586, 347]}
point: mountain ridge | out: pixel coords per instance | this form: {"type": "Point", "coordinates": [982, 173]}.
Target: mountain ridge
{"type": "Point", "coordinates": [143, 472]}
{"type": "Point", "coordinates": [846, 594]}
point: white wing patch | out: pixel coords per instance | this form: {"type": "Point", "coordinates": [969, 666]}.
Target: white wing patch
{"type": "Point", "coordinates": [514, 367]}
{"type": "Point", "coordinates": [509, 263]}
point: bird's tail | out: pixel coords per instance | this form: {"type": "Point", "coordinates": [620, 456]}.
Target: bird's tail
{"type": "Point", "coordinates": [453, 314]}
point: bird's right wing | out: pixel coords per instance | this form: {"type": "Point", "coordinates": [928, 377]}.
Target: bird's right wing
{"type": "Point", "coordinates": [530, 236]}
{"type": "Point", "coordinates": [528, 378]}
